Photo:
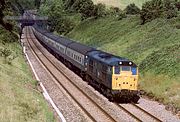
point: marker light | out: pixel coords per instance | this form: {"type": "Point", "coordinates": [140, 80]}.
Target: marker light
{"type": "Point", "coordinates": [130, 63]}
{"type": "Point", "coordinates": [120, 62]}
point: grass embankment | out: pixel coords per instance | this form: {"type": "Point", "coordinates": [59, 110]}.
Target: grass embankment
{"type": "Point", "coordinates": [19, 99]}
{"type": "Point", "coordinates": [155, 47]}
{"type": "Point", "coordinates": [120, 3]}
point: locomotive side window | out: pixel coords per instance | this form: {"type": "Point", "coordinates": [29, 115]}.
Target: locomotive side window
{"type": "Point", "coordinates": [117, 70]}
{"type": "Point", "coordinates": [91, 65]}
{"type": "Point", "coordinates": [104, 68]}
{"type": "Point", "coordinates": [126, 68]}
{"type": "Point", "coordinates": [134, 70]}
{"type": "Point", "coordinates": [109, 70]}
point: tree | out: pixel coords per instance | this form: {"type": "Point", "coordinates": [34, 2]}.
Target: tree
{"type": "Point", "coordinates": [177, 5]}
{"type": "Point", "coordinates": [100, 10]}
{"type": "Point", "coordinates": [85, 7]}
{"type": "Point", "coordinates": [68, 4]}
{"type": "Point", "coordinates": [37, 3]}
{"type": "Point", "coordinates": [170, 10]}
{"type": "Point", "coordinates": [3, 6]}
{"type": "Point", "coordinates": [158, 8]}
{"type": "Point", "coordinates": [151, 10]}
{"type": "Point", "coordinates": [132, 9]}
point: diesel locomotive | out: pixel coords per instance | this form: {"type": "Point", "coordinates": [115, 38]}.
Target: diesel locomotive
{"type": "Point", "coordinates": [113, 76]}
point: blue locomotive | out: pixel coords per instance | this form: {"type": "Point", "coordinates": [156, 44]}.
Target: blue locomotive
{"type": "Point", "coordinates": [113, 76]}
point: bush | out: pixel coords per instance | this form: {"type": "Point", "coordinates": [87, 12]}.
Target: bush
{"type": "Point", "coordinates": [158, 8]}
{"type": "Point", "coordinates": [4, 52]}
{"type": "Point", "coordinates": [100, 10]}
{"type": "Point", "coordinates": [64, 26]}
{"type": "Point", "coordinates": [85, 7]}
{"type": "Point", "coordinates": [178, 26]}
{"type": "Point", "coordinates": [114, 10]}
{"type": "Point", "coordinates": [118, 13]}
{"type": "Point", "coordinates": [177, 4]}
{"type": "Point", "coordinates": [170, 10]}
{"type": "Point", "coordinates": [132, 9]}
{"type": "Point", "coordinates": [68, 4]}
{"type": "Point", "coordinates": [151, 10]}
{"type": "Point", "coordinates": [121, 15]}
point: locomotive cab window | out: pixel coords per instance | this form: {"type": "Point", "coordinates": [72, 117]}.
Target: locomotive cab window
{"type": "Point", "coordinates": [116, 70]}
{"type": "Point", "coordinates": [126, 68]}
{"type": "Point", "coordinates": [134, 70]}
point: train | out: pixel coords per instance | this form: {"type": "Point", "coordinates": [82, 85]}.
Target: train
{"type": "Point", "coordinates": [113, 76]}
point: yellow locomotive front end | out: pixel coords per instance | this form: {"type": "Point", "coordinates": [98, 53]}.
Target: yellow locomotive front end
{"type": "Point", "coordinates": [123, 78]}
{"type": "Point", "coordinates": [125, 81]}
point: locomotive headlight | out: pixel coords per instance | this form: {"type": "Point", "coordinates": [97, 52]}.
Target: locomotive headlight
{"type": "Point", "coordinates": [120, 62]}
{"type": "Point", "coordinates": [130, 63]}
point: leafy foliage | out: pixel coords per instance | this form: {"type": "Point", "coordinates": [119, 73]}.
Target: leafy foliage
{"type": "Point", "coordinates": [85, 7]}
{"type": "Point", "coordinates": [132, 9]}
{"type": "Point", "coordinates": [177, 5]}
{"type": "Point", "coordinates": [100, 10]}
{"type": "Point", "coordinates": [37, 3]}
{"type": "Point", "coordinates": [3, 5]}
{"type": "Point", "coordinates": [59, 21]}
{"type": "Point", "coordinates": [158, 8]}
{"type": "Point", "coordinates": [5, 52]}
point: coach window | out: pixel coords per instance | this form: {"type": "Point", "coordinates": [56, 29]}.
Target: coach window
{"type": "Point", "coordinates": [68, 53]}
{"type": "Point", "coordinates": [76, 57]}
{"type": "Point", "coordinates": [71, 54]}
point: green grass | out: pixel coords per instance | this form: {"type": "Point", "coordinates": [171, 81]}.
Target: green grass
{"type": "Point", "coordinates": [20, 100]}
{"type": "Point", "coordinates": [155, 47]}
{"type": "Point", "coordinates": [120, 3]}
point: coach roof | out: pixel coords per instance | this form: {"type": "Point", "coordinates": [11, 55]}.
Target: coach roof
{"type": "Point", "coordinates": [62, 40]}
{"type": "Point", "coordinates": [83, 49]}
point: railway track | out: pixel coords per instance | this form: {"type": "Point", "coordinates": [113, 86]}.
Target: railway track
{"type": "Point", "coordinates": [109, 117]}
{"type": "Point", "coordinates": [54, 71]}
{"type": "Point", "coordinates": [139, 114]}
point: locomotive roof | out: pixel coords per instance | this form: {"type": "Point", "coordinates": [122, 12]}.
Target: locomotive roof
{"type": "Point", "coordinates": [109, 59]}
{"type": "Point", "coordinates": [83, 49]}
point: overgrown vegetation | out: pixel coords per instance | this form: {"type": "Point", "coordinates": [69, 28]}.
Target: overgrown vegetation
{"type": "Point", "coordinates": [20, 99]}
{"type": "Point", "coordinates": [132, 9]}
{"type": "Point", "coordinates": [158, 8]}
{"type": "Point", "coordinates": [65, 15]}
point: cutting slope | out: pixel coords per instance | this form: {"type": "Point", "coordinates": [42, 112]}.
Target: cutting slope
{"type": "Point", "coordinates": [155, 47]}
